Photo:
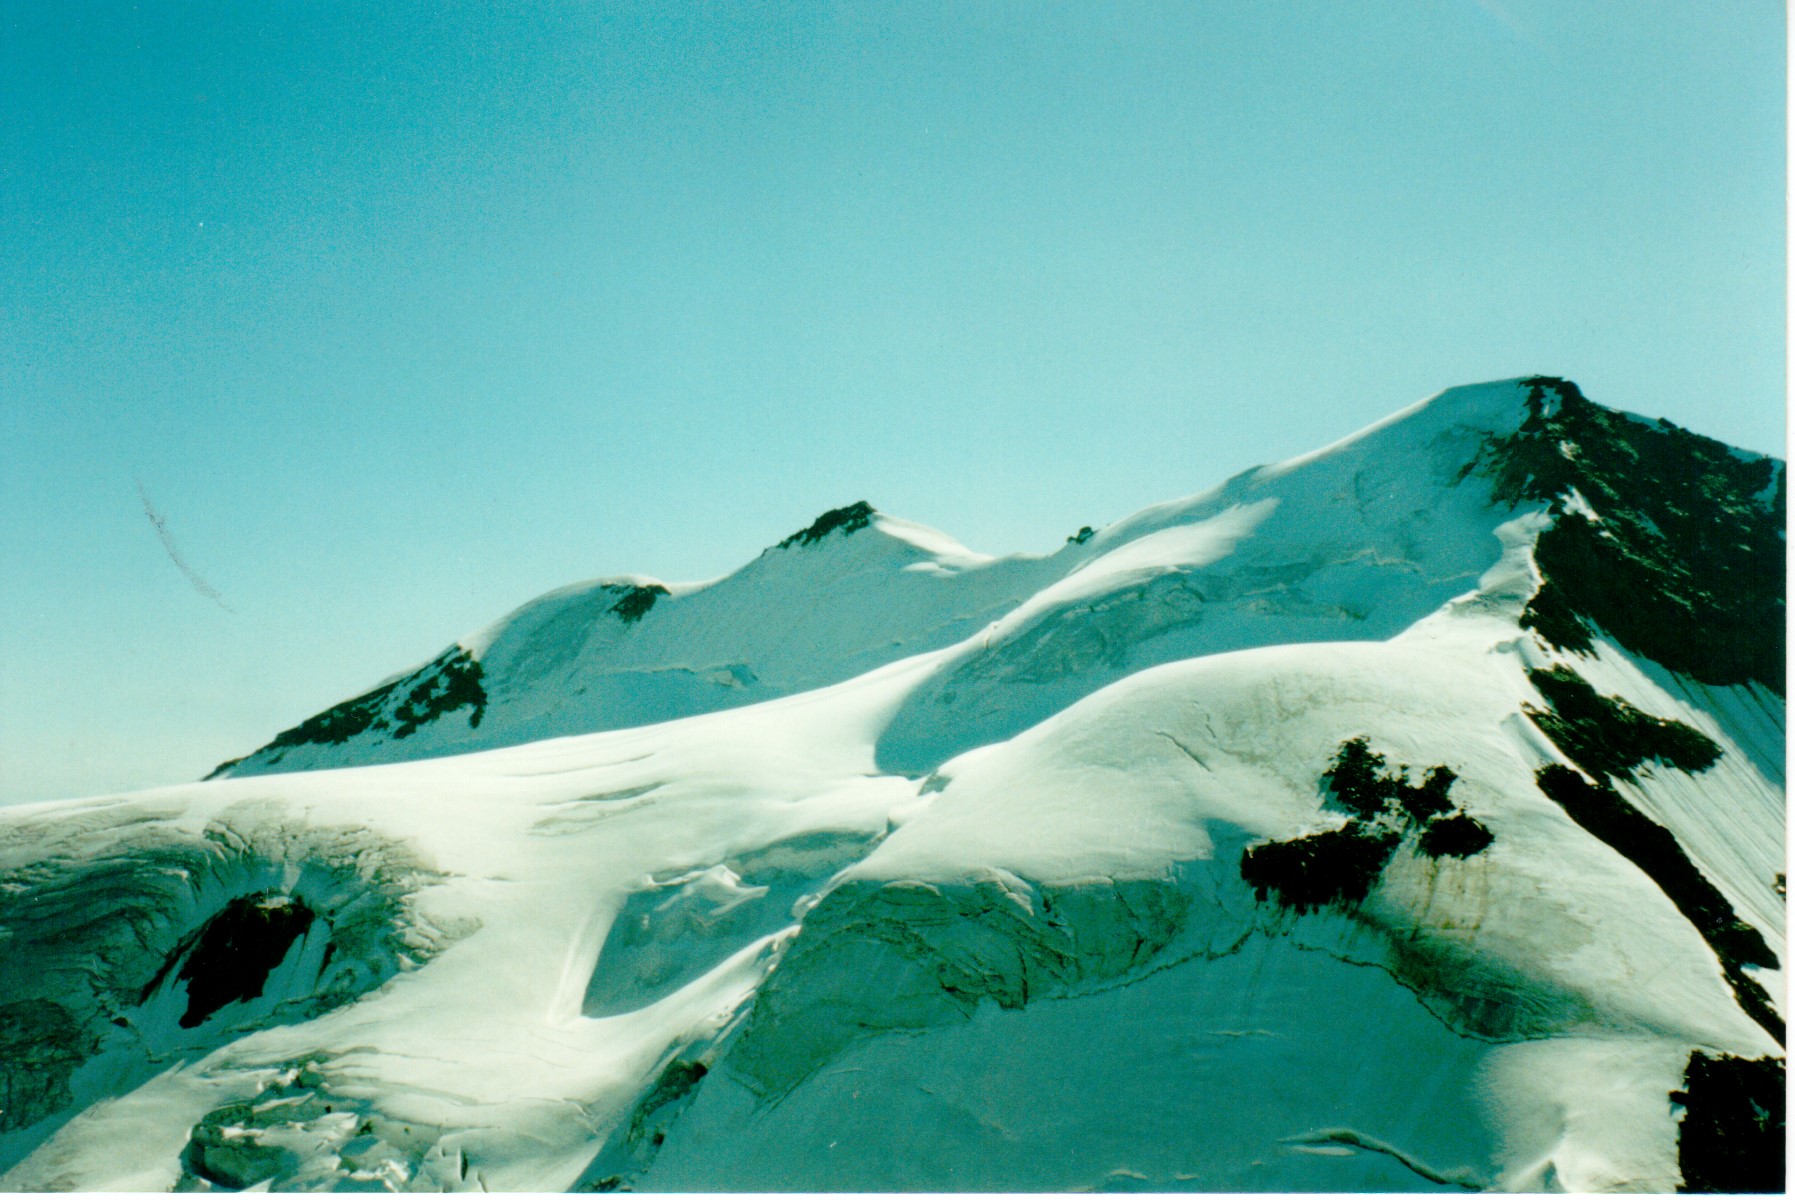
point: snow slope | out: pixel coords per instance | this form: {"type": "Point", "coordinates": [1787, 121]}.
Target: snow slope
{"type": "Point", "coordinates": [1357, 541]}
{"type": "Point", "coordinates": [621, 652]}
{"type": "Point", "coordinates": [982, 881]}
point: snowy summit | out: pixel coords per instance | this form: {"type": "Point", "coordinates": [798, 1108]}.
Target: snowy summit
{"type": "Point", "coordinates": [1404, 816]}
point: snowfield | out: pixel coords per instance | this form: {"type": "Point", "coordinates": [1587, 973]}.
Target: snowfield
{"type": "Point", "coordinates": [885, 865]}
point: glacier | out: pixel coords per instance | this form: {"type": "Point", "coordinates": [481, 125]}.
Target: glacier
{"type": "Point", "coordinates": [1407, 816]}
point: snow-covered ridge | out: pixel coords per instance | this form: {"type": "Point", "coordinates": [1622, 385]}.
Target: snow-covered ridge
{"type": "Point", "coordinates": [860, 588]}
{"type": "Point", "coordinates": [620, 652]}
{"type": "Point", "coordinates": [1322, 831]}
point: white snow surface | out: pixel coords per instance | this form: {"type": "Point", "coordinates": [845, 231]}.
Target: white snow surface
{"type": "Point", "coordinates": [1354, 542]}
{"type": "Point", "coordinates": [920, 871]}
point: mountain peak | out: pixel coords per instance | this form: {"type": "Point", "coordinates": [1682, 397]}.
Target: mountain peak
{"type": "Point", "coordinates": [846, 520]}
{"type": "Point", "coordinates": [1670, 542]}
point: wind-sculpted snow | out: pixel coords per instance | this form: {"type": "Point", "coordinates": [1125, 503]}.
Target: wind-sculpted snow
{"type": "Point", "coordinates": [1356, 543]}
{"type": "Point", "coordinates": [938, 951]}
{"type": "Point", "coordinates": [881, 865]}
{"type": "Point", "coordinates": [1171, 1083]}
{"type": "Point", "coordinates": [682, 927]}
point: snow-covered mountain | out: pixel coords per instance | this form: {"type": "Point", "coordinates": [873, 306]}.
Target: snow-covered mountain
{"type": "Point", "coordinates": [1405, 816]}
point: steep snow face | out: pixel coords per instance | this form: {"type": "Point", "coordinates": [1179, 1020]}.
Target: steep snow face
{"type": "Point", "coordinates": [1357, 541]}
{"type": "Point", "coordinates": [1452, 907]}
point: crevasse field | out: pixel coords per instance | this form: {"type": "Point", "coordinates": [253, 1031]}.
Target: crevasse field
{"type": "Point", "coordinates": [883, 864]}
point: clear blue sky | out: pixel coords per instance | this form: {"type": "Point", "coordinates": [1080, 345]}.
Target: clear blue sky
{"type": "Point", "coordinates": [403, 313]}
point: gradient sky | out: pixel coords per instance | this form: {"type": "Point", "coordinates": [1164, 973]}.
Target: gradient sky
{"type": "Point", "coordinates": [401, 313]}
